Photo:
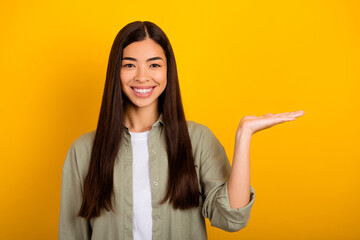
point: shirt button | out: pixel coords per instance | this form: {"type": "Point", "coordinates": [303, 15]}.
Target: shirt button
{"type": "Point", "coordinates": [155, 183]}
{"type": "Point", "coordinates": [156, 217]}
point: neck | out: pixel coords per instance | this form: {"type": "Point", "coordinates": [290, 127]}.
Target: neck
{"type": "Point", "coordinates": [140, 119]}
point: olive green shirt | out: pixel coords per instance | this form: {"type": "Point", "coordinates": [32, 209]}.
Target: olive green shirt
{"type": "Point", "coordinates": [212, 168]}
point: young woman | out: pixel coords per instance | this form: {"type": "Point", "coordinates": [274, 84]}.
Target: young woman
{"type": "Point", "coordinates": [146, 172]}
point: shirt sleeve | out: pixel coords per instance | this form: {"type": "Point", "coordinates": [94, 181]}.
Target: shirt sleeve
{"type": "Point", "coordinates": [214, 174]}
{"type": "Point", "coordinates": [70, 225]}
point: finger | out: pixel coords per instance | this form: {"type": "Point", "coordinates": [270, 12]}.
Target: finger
{"type": "Point", "coordinates": [296, 114]}
{"type": "Point", "coordinates": [285, 119]}
{"type": "Point", "coordinates": [284, 114]}
{"type": "Point", "coordinates": [281, 120]}
{"type": "Point", "coordinates": [291, 114]}
{"type": "Point", "coordinates": [290, 118]}
{"type": "Point", "coordinates": [300, 112]}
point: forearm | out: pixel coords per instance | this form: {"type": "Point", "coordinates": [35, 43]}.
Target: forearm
{"type": "Point", "coordinates": [239, 181]}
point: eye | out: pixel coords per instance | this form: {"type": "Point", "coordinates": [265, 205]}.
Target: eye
{"type": "Point", "coordinates": [128, 65]}
{"type": "Point", "coordinates": [156, 65]}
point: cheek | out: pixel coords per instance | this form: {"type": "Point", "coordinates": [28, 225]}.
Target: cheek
{"type": "Point", "coordinates": [162, 76]}
{"type": "Point", "coordinates": [124, 78]}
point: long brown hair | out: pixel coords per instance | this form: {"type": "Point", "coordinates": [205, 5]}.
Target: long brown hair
{"type": "Point", "coordinates": [182, 189]}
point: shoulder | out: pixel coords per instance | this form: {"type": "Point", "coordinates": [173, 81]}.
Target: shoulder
{"type": "Point", "coordinates": [204, 143]}
{"type": "Point", "coordinates": [78, 155]}
{"type": "Point", "coordinates": [194, 125]}
{"type": "Point", "coordinates": [84, 141]}
{"type": "Point", "coordinates": [200, 133]}
{"type": "Point", "coordinates": [195, 129]}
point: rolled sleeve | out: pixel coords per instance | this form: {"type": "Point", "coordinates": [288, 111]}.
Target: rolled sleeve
{"type": "Point", "coordinates": [231, 219]}
{"type": "Point", "coordinates": [214, 174]}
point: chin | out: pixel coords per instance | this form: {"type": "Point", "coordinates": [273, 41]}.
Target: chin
{"type": "Point", "coordinates": [140, 104]}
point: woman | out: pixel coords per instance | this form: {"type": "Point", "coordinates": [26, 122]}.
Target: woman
{"type": "Point", "coordinates": [146, 172]}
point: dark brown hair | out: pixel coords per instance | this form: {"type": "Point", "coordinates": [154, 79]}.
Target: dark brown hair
{"type": "Point", "coordinates": [182, 189]}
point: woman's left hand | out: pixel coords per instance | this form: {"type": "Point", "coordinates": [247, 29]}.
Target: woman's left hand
{"type": "Point", "coordinates": [253, 124]}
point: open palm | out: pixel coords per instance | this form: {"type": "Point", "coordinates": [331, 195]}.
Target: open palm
{"type": "Point", "coordinates": [254, 124]}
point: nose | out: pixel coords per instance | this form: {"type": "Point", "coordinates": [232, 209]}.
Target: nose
{"type": "Point", "coordinates": [142, 75]}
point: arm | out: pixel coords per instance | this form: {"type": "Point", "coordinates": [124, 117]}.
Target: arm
{"type": "Point", "coordinates": [239, 181]}
{"type": "Point", "coordinates": [214, 172]}
{"type": "Point", "coordinates": [70, 225]}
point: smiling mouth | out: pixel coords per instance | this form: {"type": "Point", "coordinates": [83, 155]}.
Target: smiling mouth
{"type": "Point", "coordinates": [143, 90]}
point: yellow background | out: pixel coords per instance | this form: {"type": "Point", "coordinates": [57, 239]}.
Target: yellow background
{"type": "Point", "coordinates": [235, 58]}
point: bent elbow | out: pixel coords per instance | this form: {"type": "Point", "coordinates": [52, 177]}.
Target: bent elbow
{"type": "Point", "coordinates": [235, 227]}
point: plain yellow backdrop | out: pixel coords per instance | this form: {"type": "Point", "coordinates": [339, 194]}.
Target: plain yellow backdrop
{"type": "Point", "coordinates": [235, 58]}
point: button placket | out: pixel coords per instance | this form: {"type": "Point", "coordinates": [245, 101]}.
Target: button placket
{"type": "Point", "coordinates": [155, 183]}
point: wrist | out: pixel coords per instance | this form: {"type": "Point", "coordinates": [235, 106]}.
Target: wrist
{"type": "Point", "coordinates": [243, 131]}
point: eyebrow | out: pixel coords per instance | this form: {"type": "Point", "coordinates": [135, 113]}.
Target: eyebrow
{"type": "Point", "coordinates": [150, 59]}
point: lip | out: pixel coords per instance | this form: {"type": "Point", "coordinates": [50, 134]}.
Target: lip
{"type": "Point", "coordinates": [142, 87]}
{"type": "Point", "coordinates": [141, 95]}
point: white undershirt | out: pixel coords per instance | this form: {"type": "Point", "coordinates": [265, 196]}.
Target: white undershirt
{"type": "Point", "coordinates": [142, 208]}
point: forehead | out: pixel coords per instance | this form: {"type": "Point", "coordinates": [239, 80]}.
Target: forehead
{"type": "Point", "coordinates": [143, 49]}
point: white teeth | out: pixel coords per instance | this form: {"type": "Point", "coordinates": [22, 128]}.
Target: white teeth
{"type": "Point", "coordinates": [142, 90]}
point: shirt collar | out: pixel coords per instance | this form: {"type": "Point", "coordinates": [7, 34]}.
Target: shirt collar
{"type": "Point", "coordinates": [160, 120]}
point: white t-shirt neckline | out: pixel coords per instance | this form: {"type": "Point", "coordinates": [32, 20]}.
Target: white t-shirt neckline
{"type": "Point", "coordinates": [139, 135]}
